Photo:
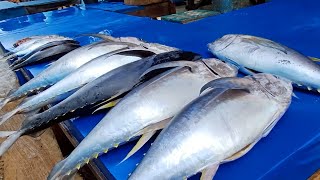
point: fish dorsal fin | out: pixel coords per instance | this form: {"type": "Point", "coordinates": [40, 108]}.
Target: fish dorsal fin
{"type": "Point", "coordinates": [110, 104]}
{"type": "Point", "coordinates": [228, 83]}
{"type": "Point", "coordinates": [143, 140]}
{"type": "Point", "coordinates": [209, 172]}
{"type": "Point", "coordinates": [190, 64]}
{"type": "Point", "coordinates": [240, 153]}
{"type": "Point", "coordinates": [314, 59]}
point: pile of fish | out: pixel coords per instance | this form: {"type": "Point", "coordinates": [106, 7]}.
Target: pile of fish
{"type": "Point", "coordinates": [208, 115]}
{"type": "Point", "coordinates": [38, 49]}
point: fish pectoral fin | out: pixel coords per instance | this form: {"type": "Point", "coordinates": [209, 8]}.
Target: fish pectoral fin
{"type": "Point", "coordinates": [154, 127]}
{"type": "Point", "coordinates": [209, 172]}
{"type": "Point", "coordinates": [106, 106]}
{"type": "Point", "coordinates": [240, 153]}
{"type": "Point", "coordinates": [228, 83]}
{"type": "Point", "coordinates": [143, 140]}
{"type": "Point", "coordinates": [269, 128]}
{"type": "Point", "coordinates": [190, 64]}
{"type": "Point", "coordinates": [314, 59]}
{"type": "Point", "coordinates": [37, 134]}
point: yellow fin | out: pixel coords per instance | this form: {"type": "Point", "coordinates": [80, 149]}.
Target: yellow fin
{"type": "Point", "coordinates": [106, 150]}
{"type": "Point", "coordinates": [96, 155]}
{"type": "Point", "coordinates": [144, 138]}
{"type": "Point", "coordinates": [314, 59]}
{"type": "Point", "coordinates": [114, 97]}
{"type": "Point", "coordinates": [116, 145]}
{"type": "Point", "coordinates": [209, 172]}
{"type": "Point", "coordinates": [78, 166]}
{"type": "Point", "coordinates": [108, 105]}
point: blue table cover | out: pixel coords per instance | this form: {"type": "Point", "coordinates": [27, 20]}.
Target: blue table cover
{"type": "Point", "coordinates": [292, 149]}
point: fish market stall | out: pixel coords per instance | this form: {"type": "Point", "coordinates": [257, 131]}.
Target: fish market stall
{"type": "Point", "coordinates": [291, 150]}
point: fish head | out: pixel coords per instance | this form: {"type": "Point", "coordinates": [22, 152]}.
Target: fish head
{"type": "Point", "coordinates": [275, 87]}
{"type": "Point", "coordinates": [220, 68]}
{"type": "Point", "coordinates": [222, 43]}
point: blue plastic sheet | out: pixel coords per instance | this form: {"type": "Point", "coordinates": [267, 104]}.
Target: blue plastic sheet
{"type": "Point", "coordinates": [291, 151]}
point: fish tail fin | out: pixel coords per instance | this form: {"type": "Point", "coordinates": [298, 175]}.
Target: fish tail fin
{"type": "Point", "coordinates": [58, 171]}
{"type": "Point", "coordinates": [13, 137]}
{"type": "Point", "coordinates": [8, 115]}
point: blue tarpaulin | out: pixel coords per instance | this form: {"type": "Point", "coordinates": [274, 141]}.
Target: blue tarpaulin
{"type": "Point", "coordinates": [292, 149]}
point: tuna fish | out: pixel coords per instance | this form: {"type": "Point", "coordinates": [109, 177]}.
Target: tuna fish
{"type": "Point", "coordinates": [115, 82]}
{"type": "Point", "coordinates": [44, 52]}
{"type": "Point", "coordinates": [263, 55]}
{"type": "Point", "coordinates": [144, 110]}
{"type": "Point", "coordinates": [63, 67]}
{"type": "Point", "coordinates": [155, 47]}
{"type": "Point", "coordinates": [220, 126]}
{"type": "Point", "coordinates": [81, 76]}
{"type": "Point", "coordinates": [32, 44]}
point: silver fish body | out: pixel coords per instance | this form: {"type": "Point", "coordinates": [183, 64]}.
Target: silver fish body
{"type": "Point", "coordinates": [27, 42]}
{"type": "Point", "coordinates": [38, 43]}
{"type": "Point", "coordinates": [81, 76]}
{"type": "Point", "coordinates": [214, 127]}
{"type": "Point", "coordinates": [266, 56]}
{"type": "Point", "coordinates": [63, 67]}
{"type": "Point", "coordinates": [153, 101]}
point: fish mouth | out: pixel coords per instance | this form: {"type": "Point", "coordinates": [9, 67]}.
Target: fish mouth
{"type": "Point", "coordinates": [222, 43]}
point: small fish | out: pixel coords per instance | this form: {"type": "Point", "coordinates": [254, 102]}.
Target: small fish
{"type": "Point", "coordinates": [81, 76]}
{"type": "Point", "coordinates": [263, 55]}
{"type": "Point", "coordinates": [30, 46]}
{"type": "Point", "coordinates": [45, 51]}
{"type": "Point", "coordinates": [145, 109]}
{"type": "Point", "coordinates": [63, 67]}
{"type": "Point", "coordinates": [112, 83]}
{"type": "Point", "coordinates": [155, 47]}
{"type": "Point", "coordinates": [221, 125]}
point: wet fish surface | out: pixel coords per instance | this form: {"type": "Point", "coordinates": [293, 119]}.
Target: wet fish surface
{"type": "Point", "coordinates": [221, 125]}
{"type": "Point", "coordinates": [144, 110]}
{"type": "Point", "coordinates": [81, 76]}
{"type": "Point", "coordinates": [263, 55]}
{"type": "Point", "coordinates": [106, 86]}
{"type": "Point", "coordinates": [63, 67]}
